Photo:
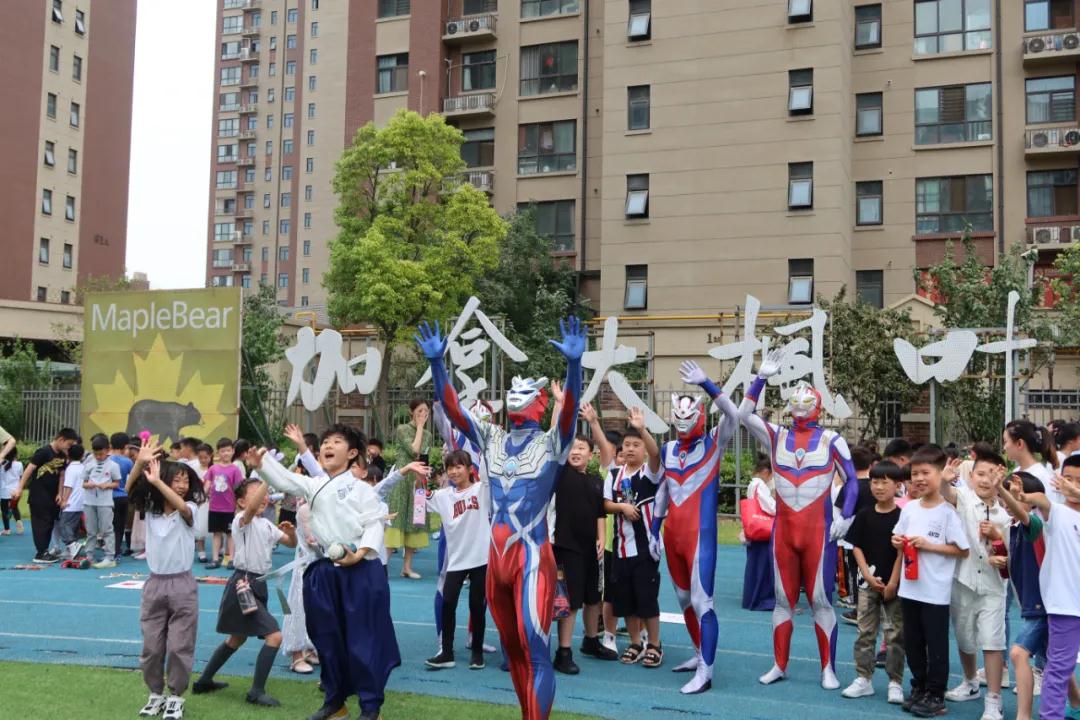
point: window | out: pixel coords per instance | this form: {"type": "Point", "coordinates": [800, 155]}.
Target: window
{"type": "Point", "coordinates": [230, 76]}
{"type": "Point", "coordinates": [867, 27]}
{"type": "Point", "coordinates": [311, 110]}
{"type": "Point", "coordinates": [639, 26]}
{"type": "Point", "coordinates": [245, 281]}
{"type": "Point", "coordinates": [1051, 99]}
{"type": "Point", "coordinates": [226, 179]}
{"type": "Point", "coordinates": [75, 114]}
{"type": "Point", "coordinates": [636, 296]}
{"type": "Point", "coordinates": [801, 91]}
{"type": "Point", "coordinates": [249, 201]}
{"type": "Point", "coordinates": [475, 7]}
{"type": "Point", "coordinates": [314, 29]}
{"type": "Point", "coordinates": [868, 114]}
{"type": "Point", "coordinates": [292, 14]}
{"type": "Point", "coordinates": [800, 281]}
{"type": "Point", "coordinates": [286, 147]}
{"type": "Point", "coordinates": [50, 155]}
{"type": "Point", "coordinates": [73, 161]}
{"type": "Point", "coordinates": [637, 112]}
{"type": "Point", "coordinates": [393, 8]}
{"type": "Point", "coordinates": [547, 147]}
{"type": "Point", "coordinates": [266, 254]}
{"type": "Point", "coordinates": [943, 26]}
{"type": "Point", "coordinates": [232, 24]}
{"type": "Point", "coordinates": [54, 58]}
{"type": "Point", "coordinates": [283, 253]}
{"type": "Point", "coordinates": [65, 296]}
{"type": "Point", "coordinates": [226, 153]}
{"type": "Point", "coordinates": [1048, 15]}
{"type": "Point", "coordinates": [41, 292]}
{"type": "Point", "coordinates": [286, 200]}
{"type": "Point", "coordinates": [221, 281]}
{"type": "Point", "coordinates": [269, 151]}
{"type": "Point", "coordinates": [309, 165]}
{"type": "Point", "coordinates": [308, 192]}
{"type": "Point", "coordinates": [307, 248]}
{"type": "Point", "coordinates": [392, 74]}
{"type": "Point", "coordinates": [69, 256]}
{"type": "Point", "coordinates": [800, 11]}
{"type": "Point", "coordinates": [290, 68]}
{"type": "Point", "coordinates": [543, 8]}
{"type": "Point", "coordinates": [549, 68]}
{"type": "Point", "coordinates": [303, 301]}
{"type": "Point", "coordinates": [69, 208]}
{"type": "Point", "coordinates": [273, 17]}
{"type": "Point", "coordinates": [46, 202]}
{"type": "Point", "coordinates": [229, 127]}
{"type": "Point", "coordinates": [637, 196]}
{"type": "Point", "coordinates": [283, 280]}
{"type": "Point", "coordinates": [958, 113]}
{"type": "Point", "coordinates": [305, 275]}
{"type": "Point", "coordinates": [253, 71]}
{"type": "Point", "coordinates": [555, 220]}
{"type": "Point", "coordinates": [266, 200]}
{"type": "Point", "coordinates": [269, 122]}
{"type": "Point", "coordinates": [307, 221]}
{"type": "Point", "coordinates": [314, 4]}
{"type": "Point", "coordinates": [265, 232]}
{"type": "Point", "coordinates": [222, 258]}
{"type": "Point", "coordinates": [478, 70]}
{"type": "Point", "coordinates": [245, 254]}
{"type": "Point", "coordinates": [478, 150]}
{"type": "Point", "coordinates": [800, 185]}
{"type": "Point", "coordinates": [229, 101]}
{"type": "Point", "coordinates": [58, 11]}
{"type": "Point", "coordinates": [80, 22]}
{"type": "Point", "coordinates": [310, 137]}
{"type": "Point", "coordinates": [287, 119]}
{"type": "Point", "coordinates": [230, 50]}
{"type": "Point", "coordinates": [313, 56]}
{"type": "Point", "coordinates": [290, 42]}
{"type": "Point", "coordinates": [272, 71]}
{"type": "Point", "coordinates": [1051, 193]}
{"type": "Point", "coordinates": [312, 82]}
{"type": "Point", "coordinates": [50, 105]}
{"type": "Point", "coordinates": [868, 203]}
{"type": "Point", "coordinates": [949, 204]}
{"type": "Point", "coordinates": [284, 226]}
{"type": "Point", "coordinates": [273, 44]}
{"type": "Point", "coordinates": [870, 287]}
{"type": "Point", "coordinates": [223, 232]}
{"type": "Point", "coordinates": [43, 251]}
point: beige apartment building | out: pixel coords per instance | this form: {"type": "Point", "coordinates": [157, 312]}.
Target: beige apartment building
{"type": "Point", "coordinates": [682, 153]}
{"type": "Point", "coordinates": [66, 67]}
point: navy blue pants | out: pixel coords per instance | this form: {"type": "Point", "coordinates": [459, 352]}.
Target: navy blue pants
{"type": "Point", "coordinates": [348, 620]}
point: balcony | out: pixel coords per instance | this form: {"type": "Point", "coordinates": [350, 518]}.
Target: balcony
{"type": "Point", "coordinates": [250, 31]}
{"type": "Point", "coordinates": [241, 267]}
{"type": "Point", "coordinates": [224, 210]}
{"type": "Point", "coordinates": [247, 109]}
{"type": "Point", "coordinates": [1062, 140]}
{"type": "Point", "coordinates": [466, 29]}
{"type": "Point", "coordinates": [1052, 235]}
{"type": "Point", "coordinates": [227, 159]}
{"type": "Point", "coordinates": [220, 264]}
{"type": "Point", "coordinates": [247, 134]}
{"type": "Point", "coordinates": [1051, 47]}
{"type": "Point", "coordinates": [232, 107]}
{"type": "Point", "coordinates": [482, 180]}
{"type": "Point", "coordinates": [244, 213]}
{"type": "Point", "coordinates": [241, 239]}
{"type": "Point", "coordinates": [469, 105]}
{"type": "Point", "coordinates": [248, 55]}
{"type": "Point", "coordinates": [248, 161]}
{"type": "Point", "coordinates": [249, 82]}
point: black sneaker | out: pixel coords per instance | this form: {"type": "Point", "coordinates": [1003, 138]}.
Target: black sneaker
{"type": "Point", "coordinates": [850, 617]}
{"type": "Point", "coordinates": [441, 661]}
{"type": "Point", "coordinates": [326, 712]}
{"type": "Point", "coordinates": [592, 647]}
{"type": "Point", "coordinates": [912, 699]}
{"type": "Point", "coordinates": [201, 687]}
{"type": "Point", "coordinates": [931, 705]}
{"type": "Point", "coordinates": [369, 714]}
{"type": "Point", "coordinates": [257, 697]}
{"type": "Point", "coordinates": [564, 662]}
{"type": "Point", "coordinates": [476, 661]}
{"type": "Point", "coordinates": [879, 661]}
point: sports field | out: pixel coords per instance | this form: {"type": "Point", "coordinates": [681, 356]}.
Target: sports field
{"type": "Point", "coordinates": [58, 616]}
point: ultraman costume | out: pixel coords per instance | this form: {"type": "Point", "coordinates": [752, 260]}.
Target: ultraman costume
{"type": "Point", "coordinates": [805, 457]}
{"type": "Point", "coordinates": [686, 504]}
{"type": "Point", "coordinates": [523, 465]}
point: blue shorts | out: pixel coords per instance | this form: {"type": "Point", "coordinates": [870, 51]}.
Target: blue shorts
{"type": "Point", "coordinates": [1034, 636]}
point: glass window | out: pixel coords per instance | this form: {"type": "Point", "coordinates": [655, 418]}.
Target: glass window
{"type": "Point", "coordinates": [800, 281]}
{"type": "Point", "coordinates": [639, 26]}
{"type": "Point", "coordinates": [801, 91]}
{"type": "Point", "coordinates": [46, 202]}
{"type": "Point", "coordinates": [311, 110]}
{"type": "Point", "coordinates": [50, 105]}
{"type": "Point", "coordinates": [943, 26]}
{"type": "Point", "coordinates": [555, 220]}
{"type": "Point", "coordinates": [289, 94]}
{"type": "Point", "coordinates": [230, 75]}
{"type": "Point", "coordinates": [58, 11]}
{"type": "Point", "coordinates": [637, 196]}
{"type": "Point", "coordinates": [638, 104]}
{"type": "Point", "coordinates": [266, 254]}
{"type": "Point", "coordinates": [543, 8]}
{"type": "Point", "coordinates": [232, 24]}
{"type": "Point", "coordinates": [307, 221]}
{"type": "Point", "coordinates": [958, 113]}
{"type": "Point", "coordinates": [226, 179]}
{"type": "Point", "coordinates": [286, 199]}
{"type": "Point", "coordinates": [307, 248]}
{"type": "Point", "coordinates": [292, 14]}
{"type": "Point", "coordinates": [393, 8]}
{"type": "Point", "coordinates": [800, 11]}
{"type": "Point", "coordinates": [1051, 193]}
{"type": "Point", "coordinates": [867, 27]}
{"type": "Point", "coordinates": [80, 22]}
{"type": "Point", "coordinates": [283, 253]}
{"type": "Point", "coordinates": [868, 203]}
{"type": "Point", "coordinates": [313, 56]}
{"type": "Point", "coordinates": [266, 200]}
{"type": "Point", "coordinates": [312, 82]}
{"type": "Point", "coordinates": [273, 17]}
{"type": "Point", "coordinates": [308, 192]}
{"type": "Point", "coordinates": [73, 161]}
{"type": "Point", "coordinates": [287, 120]}
{"type": "Point", "coordinates": [42, 294]}
{"type": "Point", "coordinates": [393, 73]}
{"type": "Point", "coordinates": [870, 287]}
{"type": "Point", "coordinates": [478, 70]}
{"type": "Point", "coordinates": [800, 185]}
{"type": "Point", "coordinates": [305, 275]}
{"type": "Point", "coordinates": [290, 68]}
{"type": "Point", "coordinates": [283, 280]}
{"type": "Point", "coordinates": [75, 114]}
{"type": "Point", "coordinates": [284, 226]}
{"type": "Point", "coordinates": [54, 58]}
{"type": "Point", "coordinates": [949, 204]}
{"type": "Point", "coordinates": [547, 147]}
{"type": "Point", "coordinates": [69, 256]}
{"type": "Point", "coordinates": [43, 251]}
{"type": "Point", "coordinates": [76, 68]}
{"type": "Point", "coordinates": [1048, 15]}
{"type": "Point", "coordinates": [636, 296]}
{"type": "Point", "coordinates": [69, 208]}
{"type": "Point", "coordinates": [1051, 99]}
{"type": "Point", "coordinates": [478, 150]}
{"type": "Point", "coordinates": [223, 232]}
{"type": "Point", "coordinates": [50, 153]}
{"type": "Point", "coordinates": [549, 68]}
{"type": "Point", "coordinates": [310, 137]}
{"type": "Point", "coordinates": [476, 7]}
{"type": "Point", "coordinates": [309, 165]}
{"type": "Point", "coordinates": [314, 29]}
{"type": "Point", "coordinates": [868, 112]}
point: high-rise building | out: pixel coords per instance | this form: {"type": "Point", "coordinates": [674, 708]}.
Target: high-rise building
{"type": "Point", "coordinates": [66, 67]}
{"type": "Point", "coordinates": [684, 153]}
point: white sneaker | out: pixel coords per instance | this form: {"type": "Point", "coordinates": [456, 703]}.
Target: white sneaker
{"type": "Point", "coordinates": [896, 693]}
{"type": "Point", "coordinates": [105, 564]}
{"type": "Point", "coordinates": [774, 674]}
{"type": "Point", "coordinates": [174, 708]}
{"type": "Point", "coordinates": [154, 706]}
{"type": "Point", "coordinates": [860, 687]}
{"type": "Point", "coordinates": [967, 690]}
{"type": "Point", "coordinates": [992, 708]}
{"type": "Point", "coordinates": [829, 681]}
{"type": "Point", "coordinates": [608, 641]}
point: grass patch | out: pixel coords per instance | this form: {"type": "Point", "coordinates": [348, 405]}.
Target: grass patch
{"type": "Point", "coordinates": [94, 693]}
{"type": "Point", "coordinates": [727, 532]}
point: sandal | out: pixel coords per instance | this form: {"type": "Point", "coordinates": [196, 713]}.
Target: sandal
{"type": "Point", "coordinates": [653, 656]}
{"type": "Point", "coordinates": [312, 657]}
{"type": "Point", "coordinates": [632, 654]}
{"type": "Point", "coordinates": [301, 667]}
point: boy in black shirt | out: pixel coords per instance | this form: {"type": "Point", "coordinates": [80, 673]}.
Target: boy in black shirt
{"type": "Point", "coordinates": [879, 565]}
{"type": "Point", "coordinates": [43, 474]}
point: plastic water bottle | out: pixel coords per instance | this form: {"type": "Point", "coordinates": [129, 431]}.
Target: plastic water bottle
{"type": "Point", "coordinates": [246, 598]}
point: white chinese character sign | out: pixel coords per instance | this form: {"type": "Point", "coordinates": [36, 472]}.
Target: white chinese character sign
{"type": "Point", "coordinates": [332, 366]}
{"type": "Point", "coordinates": [603, 363]}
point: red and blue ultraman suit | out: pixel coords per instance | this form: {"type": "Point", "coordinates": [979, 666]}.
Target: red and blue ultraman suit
{"type": "Point", "coordinates": [523, 465]}
{"type": "Point", "coordinates": [686, 504]}
{"type": "Point", "coordinates": [805, 458]}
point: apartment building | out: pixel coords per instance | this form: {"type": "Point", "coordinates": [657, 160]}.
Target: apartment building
{"type": "Point", "coordinates": [682, 153]}
{"type": "Point", "coordinates": [66, 67]}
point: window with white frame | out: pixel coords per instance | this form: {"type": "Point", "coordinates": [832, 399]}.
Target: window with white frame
{"type": "Point", "coordinates": [636, 295]}
{"type": "Point", "coordinates": [800, 185]}
{"type": "Point", "coordinates": [801, 91]}
{"type": "Point", "coordinates": [868, 114]}
{"type": "Point", "coordinates": [800, 11]}
{"type": "Point", "coordinates": [868, 203]}
{"type": "Point", "coordinates": [50, 154]}
{"type": "Point", "coordinates": [639, 25]}
{"type": "Point", "coordinates": [637, 196]}
{"type": "Point", "coordinates": [800, 281]}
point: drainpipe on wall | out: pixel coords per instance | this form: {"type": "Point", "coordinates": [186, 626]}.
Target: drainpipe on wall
{"type": "Point", "coordinates": [1000, 144]}
{"type": "Point", "coordinates": [584, 146]}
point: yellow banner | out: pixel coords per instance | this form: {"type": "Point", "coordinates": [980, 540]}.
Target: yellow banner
{"type": "Point", "coordinates": [165, 361]}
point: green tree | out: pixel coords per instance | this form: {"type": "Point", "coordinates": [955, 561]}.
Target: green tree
{"type": "Point", "coordinates": [19, 371]}
{"type": "Point", "coordinates": [261, 346]}
{"type": "Point", "coordinates": [859, 355]}
{"type": "Point", "coordinates": [413, 236]}
{"type": "Point", "coordinates": [1064, 322]}
{"type": "Point", "coordinates": [967, 294]}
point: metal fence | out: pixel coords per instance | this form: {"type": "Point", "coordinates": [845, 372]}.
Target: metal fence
{"type": "Point", "coordinates": [46, 411]}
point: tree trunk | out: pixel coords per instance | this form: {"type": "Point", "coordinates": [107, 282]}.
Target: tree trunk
{"type": "Point", "coordinates": [381, 411]}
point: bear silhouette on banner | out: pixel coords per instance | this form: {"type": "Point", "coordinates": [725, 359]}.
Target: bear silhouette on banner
{"type": "Point", "coordinates": [163, 419]}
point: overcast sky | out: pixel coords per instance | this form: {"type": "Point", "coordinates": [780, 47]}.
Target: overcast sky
{"type": "Point", "coordinates": [170, 150]}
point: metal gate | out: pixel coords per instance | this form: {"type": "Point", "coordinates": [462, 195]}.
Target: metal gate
{"type": "Point", "coordinates": [47, 411]}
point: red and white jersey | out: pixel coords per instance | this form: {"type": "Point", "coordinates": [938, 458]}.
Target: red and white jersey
{"type": "Point", "coordinates": [465, 521]}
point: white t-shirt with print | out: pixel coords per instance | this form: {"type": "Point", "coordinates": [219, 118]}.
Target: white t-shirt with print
{"type": "Point", "coordinates": [1059, 576]}
{"type": "Point", "coordinates": [465, 521]}
{"type": "Point", "coordinates": [100, 472]}
{"type": "Point", "coordinates": [940, 525]}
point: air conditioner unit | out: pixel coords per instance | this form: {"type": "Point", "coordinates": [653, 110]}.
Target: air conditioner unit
{"type": "Point", "coordinates": [1070, 41]}
{"type": "Point", "coordinates": [1040, 139]}
{"type": "Point", "coordinates": [1074, 233]}
{"type": "Point", "coordinates": [453, 28]}
{"type": "Point", "coordinates": [1043, 235]}
{"type": "Point", "coordinates": [1071, 137]}
{"type": "Point", "coordinates": [237, 235]}
{"type": "Point", "coordinates": [474, 26]}
{"type": "Point", "coordinates": [1034, 45]}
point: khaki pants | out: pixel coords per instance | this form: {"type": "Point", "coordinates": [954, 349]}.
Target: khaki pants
{"type": "Point", "coordinates": [169, 617]}
{"type": "Point", "coordinates": [99, 529]}
{"type": "Point", "coordinates": [872, 606]}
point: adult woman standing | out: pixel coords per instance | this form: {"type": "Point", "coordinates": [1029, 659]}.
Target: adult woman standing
{"type": "Point", "coordinates": [412, 441]}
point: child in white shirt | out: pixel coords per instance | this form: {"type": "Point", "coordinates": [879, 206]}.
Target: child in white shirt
{"type": "Point", "coordinates": [71, 503]}
{"type": "Point", "coordinates": [10, 472]}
